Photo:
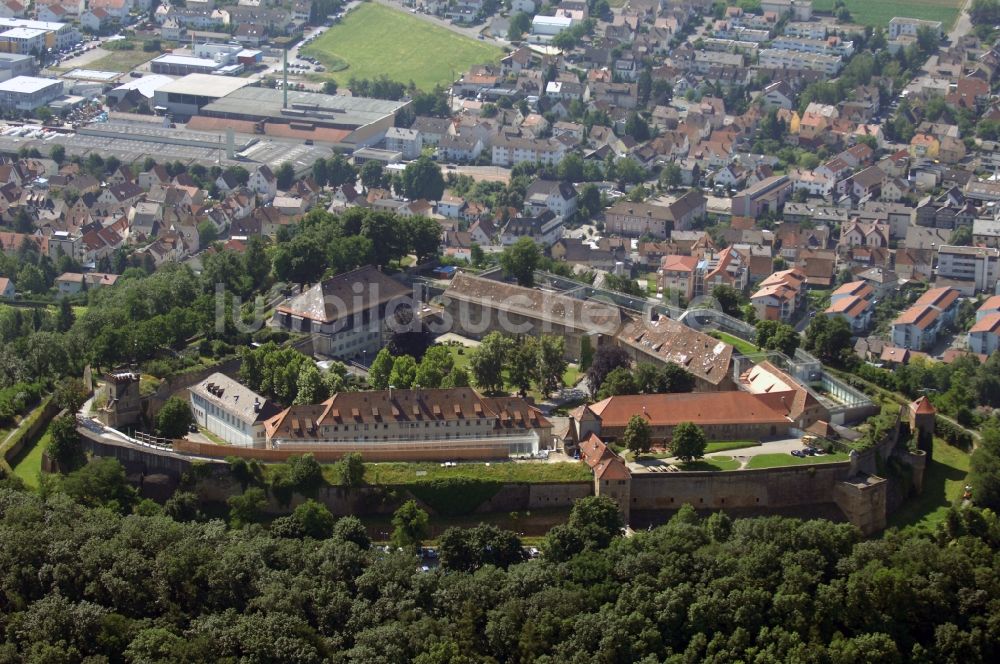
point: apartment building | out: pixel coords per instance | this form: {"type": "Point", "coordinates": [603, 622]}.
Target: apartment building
{"type": "Point", "coordinates": [407, 141]}
{"type": "Point", "coordinates": [508, 151]}
{"type": "Point", "coordinates": [777, 58]}
{"type": "Point", "coordinates": [978, 268]}
{"type": "Point", "coordinates": [855, 303]}
{"type": "Point", "coordinates": [780, 295]}
{"type": "Point", "coordinates": [766, 196]}
{"type": "Point", "coordinates": [60, 36]}
{"type": "Point", "coordinates": [824, 46]}
{"type": "Point", "coordinates": [901, 26]}
{"type": "Point", "coordinates": [231, 411]}
{"type": "Point", "coordinates": [918, 327]}
{"type": "Point", "coordinates": [23, 41]}
{"type": "Point", "coordinates": [984, 337]}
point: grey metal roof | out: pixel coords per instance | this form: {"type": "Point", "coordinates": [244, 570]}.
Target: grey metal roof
{"type": "Point", "coordinates": [265, 102]}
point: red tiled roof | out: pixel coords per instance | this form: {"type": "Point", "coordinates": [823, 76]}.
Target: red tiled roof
{"type": "Point", "coordinates": [987, 324]}
{"type": "Point", "coordinates": [918, 315]}
{"type": "Point", "coordinates": [859, 288]}
{"type": "Point", "coordinates": [675, 263]}
{"type": "Point", "coordinates": [702, 408]}
{"type": "Point", "coordinates": [991, 303]}
{"type": "Point", "coordinates": [942, 298]}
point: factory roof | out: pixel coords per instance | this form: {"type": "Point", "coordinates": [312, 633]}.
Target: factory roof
{"type": "Point", "coordinates": [27, 84]}
{"type": "Point", "coordinates": [188, 60]}
{"type": "Point", "coordinates": [146, 85]}
{"type": "Point", "coordinates": [265, 102]}
{"type": "Point", "coordinates": [205, 85]}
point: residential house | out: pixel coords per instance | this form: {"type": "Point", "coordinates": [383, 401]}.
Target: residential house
{"type": "Point", "coordinates": [729, 267]}
{"type": "Point", "coordinates": [677, 275]}
{"type": "Point", "coordinates": [71, 283]}
{"type": "Point", "coordinates": [559, 197]}
{"type": "Point", "coordinates": [544, 228]}
{"type": "Point", "coordinates": [263, 183]}
{"type": "Point", "coordinates": [577, 252]}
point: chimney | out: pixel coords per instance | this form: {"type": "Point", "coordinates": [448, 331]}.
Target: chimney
{"type": "Point", "coordinates": [284, 86]}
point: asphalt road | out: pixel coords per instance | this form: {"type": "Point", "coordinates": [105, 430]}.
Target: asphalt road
{"type": "Point", "coordinates": [963, 24]}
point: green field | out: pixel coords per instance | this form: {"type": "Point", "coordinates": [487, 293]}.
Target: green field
{"type": "Point", "coordinates": [944, 480]}
{"type": "Point", "coordinates": [374, 40]}
{"type": "Point", "coordinates": [780, 459]}
{"type": "Point", "coordinates": [726, 445]}
{"type": "Point", "coordinates": [880, 13]}
{"type": "Point", "coordinates": [123, 61]}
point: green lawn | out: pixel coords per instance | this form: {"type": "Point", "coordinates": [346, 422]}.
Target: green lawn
{"type": "Point", "coordinates": [944, 481]}
{"type": "Point", "coordinates": [715, 463]}
{"type": "Point", "coordinates": [652, 283]}
{"type": "Point", "coordinates": [880, 13]}
{"type": "Point", "coordinates": [726, 445]}
{"type": "Point", "coordinates": [744, 347]}
{"type": "Point", "coordinates": [28, 463]}
{"type": "Point", "coordinates": [781, 459]}
{"type": "Point", "coordinates": [374, 40]}
{"type": "Point", "coordinates": [503, 471]}
{"type": "Point", "coordinates": [718, 446]}
{"type": "Point", "coordinates": [211, 436]}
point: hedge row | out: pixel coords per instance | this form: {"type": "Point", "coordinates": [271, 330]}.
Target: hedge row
{"type": "Point", "coordinates": [958, 437]}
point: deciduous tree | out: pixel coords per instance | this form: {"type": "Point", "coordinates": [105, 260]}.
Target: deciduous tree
{"type": "Point", "coordinates": [520, 260]}
{"type": "Point", "coordinates": [688, 441]}
{"type": "Point", "coordinates": [174, 418]}
{"type": "Point", "coordinates": [637, 437]}
{"type": "Point", "coordinates": [410, 526]}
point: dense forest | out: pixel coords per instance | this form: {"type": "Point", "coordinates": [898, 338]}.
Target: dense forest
{"type": "Point", "coordinates": [87, 574]}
